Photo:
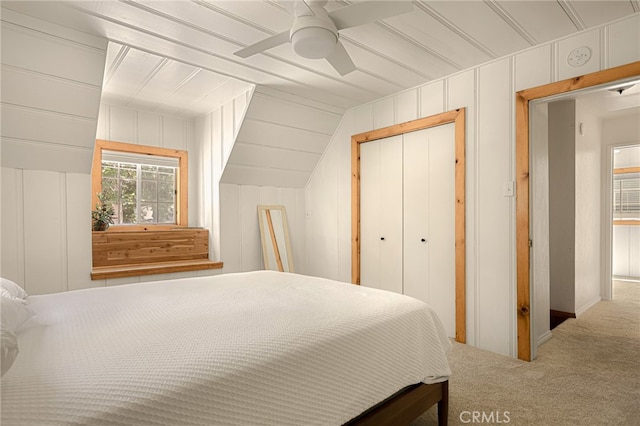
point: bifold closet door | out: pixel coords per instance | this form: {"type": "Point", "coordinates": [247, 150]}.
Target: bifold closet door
{"type": "Point", "coordinates": [429, 220]}
{"type": "Point", "coordinates": [381, 214]}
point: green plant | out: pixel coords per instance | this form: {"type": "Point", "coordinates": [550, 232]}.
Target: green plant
{"type": "Point", "coordinates": [102, 216]}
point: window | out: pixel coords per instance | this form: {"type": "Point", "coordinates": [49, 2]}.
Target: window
{"type": "Point", "coordinates": [147, 186]}
{"type": "Point", "coordinates": [626, 195]}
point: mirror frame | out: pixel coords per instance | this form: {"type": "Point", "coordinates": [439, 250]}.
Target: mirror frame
{"type": "Point", "coordinates": [268, 238]}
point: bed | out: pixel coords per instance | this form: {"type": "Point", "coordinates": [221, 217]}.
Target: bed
{"type": "Point", "coordinates": [255, 348]}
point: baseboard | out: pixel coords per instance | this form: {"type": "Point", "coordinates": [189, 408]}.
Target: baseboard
{"type": "Point", "coordinates": [630, 279]}
{"type": "Point", "coordinates": [546, 336]}
{"type": "Point", "coordinates": [588, 306]}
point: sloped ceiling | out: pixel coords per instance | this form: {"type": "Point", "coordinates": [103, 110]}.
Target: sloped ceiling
{"type": "Point", "coordinates": [176, 57]}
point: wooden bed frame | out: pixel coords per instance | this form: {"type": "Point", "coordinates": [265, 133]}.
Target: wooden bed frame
{"type": "Point", "coordinates": [407, 405]}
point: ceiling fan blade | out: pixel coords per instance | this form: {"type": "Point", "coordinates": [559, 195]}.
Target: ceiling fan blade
{"type": "Point", "coordinates": [267, 43]}
{"type": "Point", "coordinates": [341, 60]}
{"type": "Point", "coordinates": [366, 12]}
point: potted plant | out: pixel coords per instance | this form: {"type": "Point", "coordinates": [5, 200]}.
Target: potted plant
{"type": "Point", "coordinates": [102, 216]}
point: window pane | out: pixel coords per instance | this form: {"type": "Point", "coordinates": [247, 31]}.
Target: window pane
{"type": "Point", "coordinates": [128, 171]}
{"type": "Point", "coordinates": [166, 213]}
{"type": "Point", "coordinates": [128, 197]}
{"type": "Point", "coordinates": [166, 191]}
{"type": "Point", "coordinates": [149, 172]}
{"type": "Point", "coordinates": [147, 212]}
{"type": "Point", "coordinates": [626, 196]}
{"type": "Point", "coordinates": [110, 189]}
{"type": "Point", "coordinates": [149, 190]}
{"type": "Point", "coordinates": [109, 169]}
{"type": "Point", "coordinates": [141, 193]}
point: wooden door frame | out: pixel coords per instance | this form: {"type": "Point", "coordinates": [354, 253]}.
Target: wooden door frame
{"type": "Point", "coordinates": [458, 118]}
{"type": "Point", "coordinates": [523, 97]}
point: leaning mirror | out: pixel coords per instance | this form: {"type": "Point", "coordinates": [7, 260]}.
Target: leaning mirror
{"type": "Point", "coordinates": [274, 233]}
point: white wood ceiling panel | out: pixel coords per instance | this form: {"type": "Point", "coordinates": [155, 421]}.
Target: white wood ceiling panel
{"type": "Point", "coordinates": [48, 55]}
{"type": "Point", "coordinates": [147, 18]}
{"type": "Point", "coordinates": [439, 38]}
{"type": "Point", "coordinates": [543, 20]}
{"type": "Point", "coordinates": [399, 49]}
{"type": "Point", "coordinates": [233, 21]}
{"type": "Point", "coordinates": [274, 158]}
{"type": "Point", "coordinates": [268, 14]}
{"type": "Point", "coordinates": [194, 87]}
{"type": "Point", "coordinates": [263, 176]}
{"type": "Point", "coordinates": [293, 115]}
{"type": "Point", "coordinates": [270, 134]}
{"type": "Point", "coordinates": [482, 24]}
{"type": "Point", "coordinates": [595, 12]}
{"type": "Point", "coordinates": [150, 42]}
{"type": "Point", "coordinates": [176, 58]}
{"type": "Point", "coordinates": [129, 74]}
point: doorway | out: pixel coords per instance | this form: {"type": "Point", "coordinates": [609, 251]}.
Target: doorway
{"type": "Point", "coordinates": [624, 176]}
{"type": "Point", "coordinates": [524, 241]}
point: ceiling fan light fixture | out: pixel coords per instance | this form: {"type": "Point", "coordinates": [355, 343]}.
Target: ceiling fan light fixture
{"type": "Point", "coordinates": [314, 42]}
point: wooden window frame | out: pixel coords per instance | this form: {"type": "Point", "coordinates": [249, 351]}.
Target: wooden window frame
{"type": "Point", "coordinates": [182, 209]}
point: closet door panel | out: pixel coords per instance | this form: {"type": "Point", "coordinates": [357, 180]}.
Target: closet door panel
{"type": "Point", "coordinates": [442, 266]}
{"type": "Point", "coordinates": [381, 214]}
{"type": "Point", "coordinates": [391, 214]}
{"type": "Point", "coordinates": [369, 214]}
{"type": "Point", "coordinates": [416, 214]}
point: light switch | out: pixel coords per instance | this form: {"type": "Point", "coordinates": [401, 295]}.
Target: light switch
{"type": "Point", "coordinates": [508, 189]}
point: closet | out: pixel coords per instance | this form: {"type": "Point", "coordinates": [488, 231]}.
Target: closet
{"type": "Point", "coordinates": [408, 202]}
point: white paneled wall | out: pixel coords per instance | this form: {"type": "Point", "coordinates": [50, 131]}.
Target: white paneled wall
{"type": "Point", "coordinates": [51, 85]}
{"type": "Point", "coordinates": [240, 233]}
{"type": "Point", "coordinates": [230, 209]}
{"type": "Point", "coordinates": [626, 251]}
{"type": "Point", "coordinates": [488, 93]}
{"type": "Point", "coordinates": [588, 161]}
{"type": "Point", "coordinates": [280, 141]}
{"type": "Point", "coordinates": [46, 238]}
{"type": "Point", "coordinates": [120, 124]}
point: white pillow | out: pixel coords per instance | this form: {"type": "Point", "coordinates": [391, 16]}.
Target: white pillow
{"type": "Point", "coordinates": [8, 349]}
{"type": "Point", "coordinates": [14, 313]}
{"type": "Point", "coordinates": [13, 290]}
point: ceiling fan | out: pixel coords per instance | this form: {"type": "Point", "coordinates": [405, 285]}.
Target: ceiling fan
{"type": "Point", "coordinates": [314, 32]}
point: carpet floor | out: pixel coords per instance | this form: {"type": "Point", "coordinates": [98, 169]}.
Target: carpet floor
{"type": "Point", "coordinates": [587, 374]}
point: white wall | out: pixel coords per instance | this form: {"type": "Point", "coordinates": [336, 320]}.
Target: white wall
{"type": "Point", "coordinates": [487, 92]}
{"type": "Point", "coordinates": [240, 233]}
{"type": "Point", "coordinates": [588, 161]}
{"type": "Point", "coordinates": [50, 96]}
{"type": "Point", "coordinates": [230, 210]}
{"type": "Point", "coordinates": [58, 86]}
{"type": "Point", "coordinates": [127, 125]}
{"type": "Point", "coordinates": [50, 100]}
{"type": "Point", "coordinates": [562, 204]}
{"type": "Point", "coordinates": [540, 257]}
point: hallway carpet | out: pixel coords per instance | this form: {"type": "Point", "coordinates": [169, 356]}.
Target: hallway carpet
{"type": "Point", "coordinates": [587, 374]}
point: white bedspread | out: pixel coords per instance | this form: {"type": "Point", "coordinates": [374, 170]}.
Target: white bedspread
{"type": "Point", "coordinates": [236, 349]}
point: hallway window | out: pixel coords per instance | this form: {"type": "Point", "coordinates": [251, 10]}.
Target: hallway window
{"type": "Point", "coordinates": [626, 196]}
